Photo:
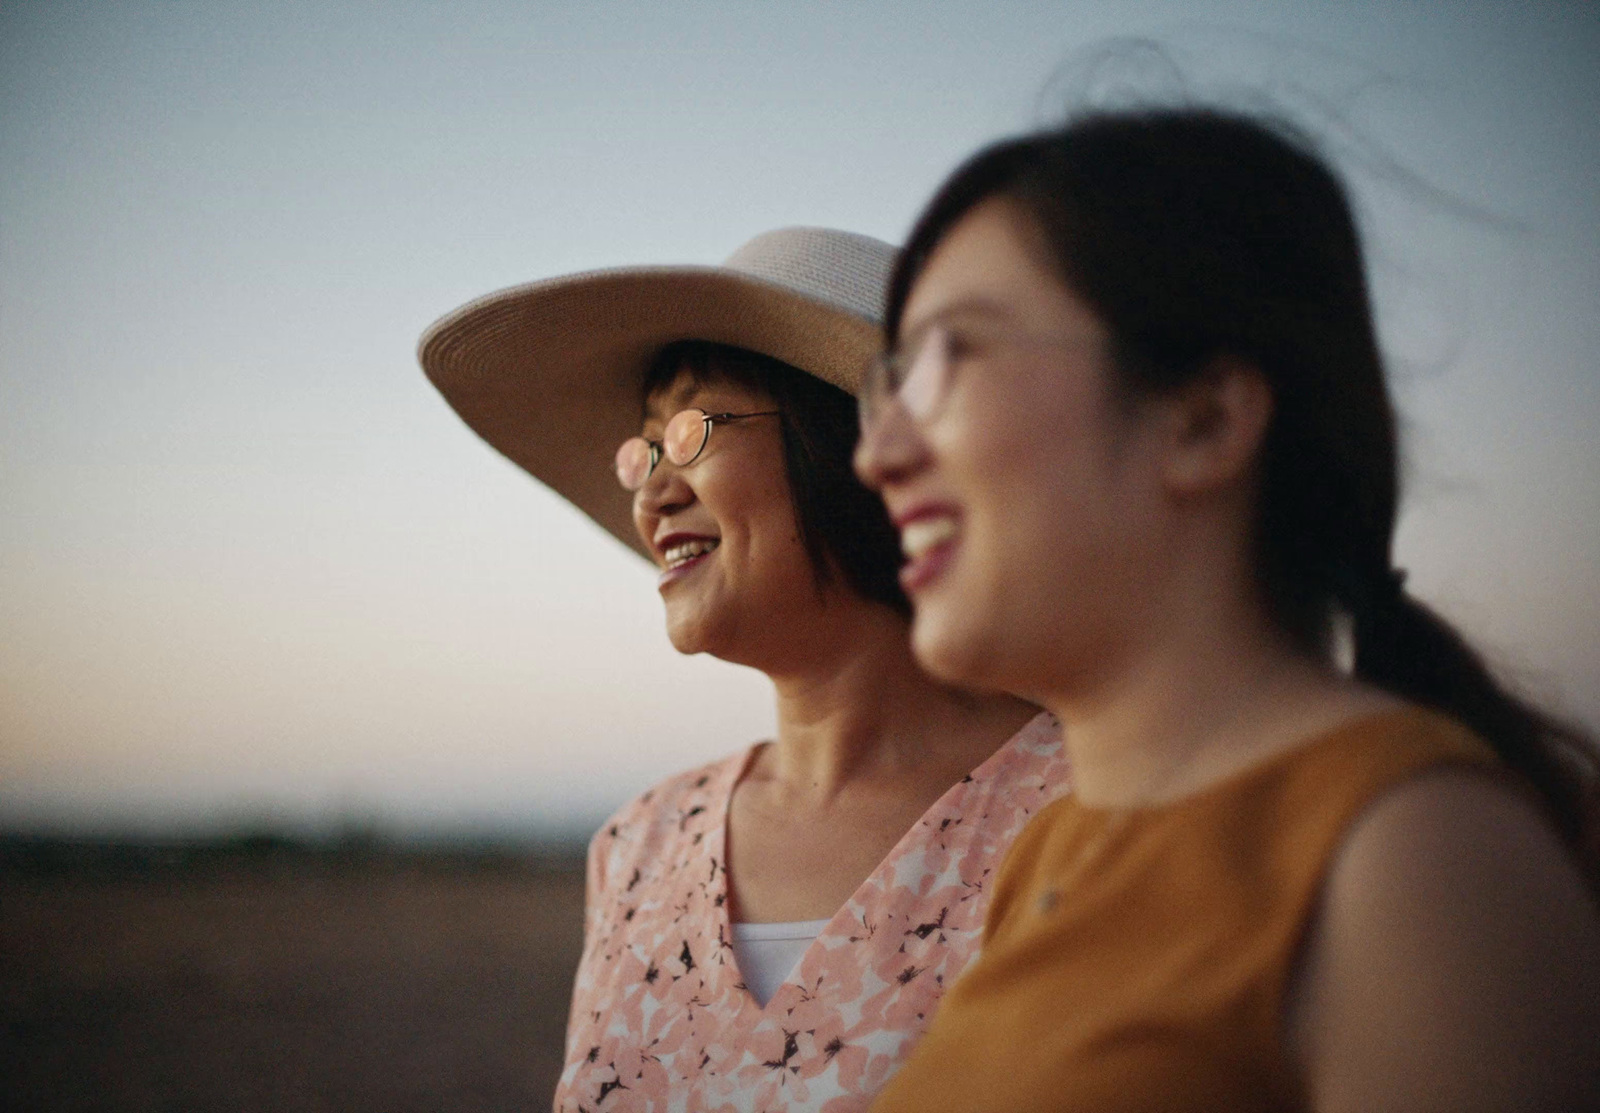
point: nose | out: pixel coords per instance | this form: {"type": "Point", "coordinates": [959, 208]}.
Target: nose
{"type": "Point", "coordinates": [891, 447]}
{"type": "Point", "coordinates": [665, 492]}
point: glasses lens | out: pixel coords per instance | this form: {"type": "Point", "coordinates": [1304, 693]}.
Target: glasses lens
{"type": "Point", "coordinates": [922, 387]}
{"type": "Point", "coordinates": [633, 463]}
{"type": "Point", "coordinates": [685, 436]}
{"type": "Point", "coordinates": [876, 386]}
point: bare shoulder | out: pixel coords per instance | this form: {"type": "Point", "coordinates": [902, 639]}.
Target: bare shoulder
{"type": "Point", "coordinates": [1454, 961]}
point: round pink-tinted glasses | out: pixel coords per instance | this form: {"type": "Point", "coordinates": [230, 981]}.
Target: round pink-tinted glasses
{"type": "Point", "coordinates": [681, 442]}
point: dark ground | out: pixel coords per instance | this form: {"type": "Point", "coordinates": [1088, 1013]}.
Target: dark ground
{"type": "Point", "coordinates": [262, 975]}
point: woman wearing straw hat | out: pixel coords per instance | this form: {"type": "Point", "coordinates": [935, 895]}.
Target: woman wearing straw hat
{"type": "Point", "coordinates": [777, 927]}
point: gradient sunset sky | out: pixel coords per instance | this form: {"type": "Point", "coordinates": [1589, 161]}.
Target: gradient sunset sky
{"type": "Point", "coordinates": [252, 568]}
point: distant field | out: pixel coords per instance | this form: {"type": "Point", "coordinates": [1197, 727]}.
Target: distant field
{"type": "Point", "coordinates": [262, 976]}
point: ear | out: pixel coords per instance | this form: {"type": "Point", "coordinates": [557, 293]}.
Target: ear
{"type": "Point", "coordinates": [1214, 427]}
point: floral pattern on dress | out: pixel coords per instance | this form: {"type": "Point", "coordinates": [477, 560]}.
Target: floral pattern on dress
{"type": "Point", "coordinates": [661, 1019]}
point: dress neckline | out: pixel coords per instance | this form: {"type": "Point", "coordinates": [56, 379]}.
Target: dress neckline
{"type": "Point", "coordinates": [844, 918]}
{"type": "Point", "coordinates": [1358, 723]}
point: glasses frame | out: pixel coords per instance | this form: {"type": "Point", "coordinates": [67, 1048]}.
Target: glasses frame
{"type": "Point", "coordinates": [657, 449]}
{"type": "Point", "coordinates": [889, 372]}
{"type": "Point", "coordinates": [885, 383]}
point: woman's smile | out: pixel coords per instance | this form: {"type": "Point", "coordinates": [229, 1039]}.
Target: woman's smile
{"type": "Point", "coordinates": [929, 537]}
{"type": "Point", "coordinates": [681, 553]}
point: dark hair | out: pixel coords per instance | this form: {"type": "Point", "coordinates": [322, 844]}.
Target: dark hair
{"type": "Point", "coordinates": [844, 526]}
{"type": "Point", "coordinates": [1194, 234]}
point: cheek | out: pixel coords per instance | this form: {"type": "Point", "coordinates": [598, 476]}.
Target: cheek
{"type": "Point", "coordinates": [778, 553]}
{"type": "Point", "coordinates": [757, 523]}
{"type": "Point", "coordinates": [1051, 500]}
{"type": "Point", "coordinates": [1021, 450]}
{"type": "Point", "coordinates": [644, 524]}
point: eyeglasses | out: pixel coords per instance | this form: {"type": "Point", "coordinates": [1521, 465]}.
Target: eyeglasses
{"type": "Point", "coordinates": [682, 442]}
{"type": "Point", "coordinates": [918, 379]}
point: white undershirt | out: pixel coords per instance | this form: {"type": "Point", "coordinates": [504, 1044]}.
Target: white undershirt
{"type": "Point", "coordinates": [768, 953]}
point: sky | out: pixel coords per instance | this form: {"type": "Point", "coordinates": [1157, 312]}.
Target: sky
{"type": "Point", "coordinates": [254, 572]}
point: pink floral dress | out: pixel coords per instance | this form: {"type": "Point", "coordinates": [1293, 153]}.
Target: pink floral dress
{"type": "Point", "coordinates": [661, 1018]}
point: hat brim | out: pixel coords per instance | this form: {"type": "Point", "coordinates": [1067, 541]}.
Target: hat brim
{"type": "Point", "coordinates": [550, 373]}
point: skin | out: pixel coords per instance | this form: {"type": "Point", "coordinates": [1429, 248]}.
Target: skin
{"type": "Point", "coordinates": [866, 740]}
{"type": "Point", "coordinates": [1425, 983]}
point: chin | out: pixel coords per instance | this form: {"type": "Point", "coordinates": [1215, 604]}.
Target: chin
{"type": "Point", "coordinates": [689, 641]}
{"type": "Point", "coordinates": [697, 633]}
{"type": "Point", "coordinates": [686, 646]}
{"type": "Point", "coordinates": [686, 636]}
{"type": "Point", "coordinates": [951, 650]}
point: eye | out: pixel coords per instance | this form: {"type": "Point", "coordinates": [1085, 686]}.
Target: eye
{"type": "Point", "coordinates": [961, 344]}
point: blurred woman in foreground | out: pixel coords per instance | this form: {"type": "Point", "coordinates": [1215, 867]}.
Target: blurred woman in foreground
{"type": "Point", "coordinates": [1135, 433]}
{"type": "Point", "coordinates": [772, 930]}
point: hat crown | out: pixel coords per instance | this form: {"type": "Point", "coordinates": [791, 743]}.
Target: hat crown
{"type": "Point", "coordinates": [841, 269]}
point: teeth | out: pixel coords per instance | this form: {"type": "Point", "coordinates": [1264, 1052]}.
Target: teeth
{"type": "Point", "coordinates": [923, 534]}
{"type": "Point", "coordinates": [686, 551]}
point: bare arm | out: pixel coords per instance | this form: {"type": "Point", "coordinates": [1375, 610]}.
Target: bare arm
{"type": "Point", "coordinates": [1454, 963]}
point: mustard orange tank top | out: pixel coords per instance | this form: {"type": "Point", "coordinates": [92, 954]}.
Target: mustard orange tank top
{"type": "Point", "coordinates": [1138, 960]}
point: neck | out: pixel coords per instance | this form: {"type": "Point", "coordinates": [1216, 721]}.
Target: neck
{"type": "Point", "coordinates": [1207, 688]}
{"type": "Point", "coordinates": [865, 713]}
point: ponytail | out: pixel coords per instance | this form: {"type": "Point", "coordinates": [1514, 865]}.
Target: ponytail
{"type": "Point", "coordinates": [1404, 647]}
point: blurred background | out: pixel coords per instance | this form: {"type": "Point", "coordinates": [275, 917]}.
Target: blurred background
{"type": "Point", "coordinates": [308, 700]}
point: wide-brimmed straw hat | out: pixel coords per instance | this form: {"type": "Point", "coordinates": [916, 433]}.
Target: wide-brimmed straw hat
{"type": "Point", "coordinates": [550, 373]}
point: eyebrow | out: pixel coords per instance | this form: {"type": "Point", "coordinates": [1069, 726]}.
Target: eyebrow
{"type": "Point", "coordinates": [975, 306]}
{"type": "Point", "coordinates": [662, 404]}
{"type": "Point", "coordinates": [654, 409]}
